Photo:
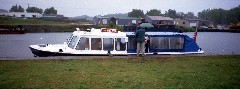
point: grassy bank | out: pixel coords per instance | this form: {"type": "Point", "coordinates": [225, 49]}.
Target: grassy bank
{"type": "Point", "coordinates": [20, 21]}
{"type": "Point", "coordinates": [43, 24]}
{"type": "Point", "coordinates": [164, 72]}
{"type": "Point", "coordinates": [39, 21]}
{"type": "Point", "coordinates": [49, 28]}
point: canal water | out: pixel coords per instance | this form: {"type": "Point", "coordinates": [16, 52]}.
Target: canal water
{"type": "Point", "coordinates": [17, 45]}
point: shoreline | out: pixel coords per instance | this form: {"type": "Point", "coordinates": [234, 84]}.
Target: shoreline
{"type": "Point", "coordinates": [48, 28]}
{"type": "Point", "coordinates": [36, 28]}
{"type": "Point", "coordinates": [109, 57]}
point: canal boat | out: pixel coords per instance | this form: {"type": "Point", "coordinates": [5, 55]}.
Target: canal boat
{"type": "Point", "coordinates": [106, 41]}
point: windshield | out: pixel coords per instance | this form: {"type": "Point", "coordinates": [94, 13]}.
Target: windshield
{"type": "Point", "coordinates": [73, 42]}
{"type": "Point", "coordinates": [68, 40]}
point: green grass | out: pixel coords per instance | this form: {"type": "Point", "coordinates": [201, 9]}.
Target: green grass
{"type": "Point", "coordinates": [43, 25]}
{"type": "Point", "coordinates": [39, 21]}
{"type": "Point", "coordinates": [212, 72]}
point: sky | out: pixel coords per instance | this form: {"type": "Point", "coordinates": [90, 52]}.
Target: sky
{"type": "Point", "coordinates": [71, 8]}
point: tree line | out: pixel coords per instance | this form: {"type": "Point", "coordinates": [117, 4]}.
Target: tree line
{"type": "Point", "coordinates": [18, 8]}
{"type": "Point", "coordinates": [154, 12]}
{"type": "Point", "coordinates": [221, 16]}
{"type": "Point", "coordinates": [217, 16]}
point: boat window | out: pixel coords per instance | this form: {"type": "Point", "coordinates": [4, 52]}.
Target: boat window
{"type": "Point", "coordinates": [120, 44]}
{"type": "Point", "coordinates": [159, 42]}
{"type": "Point", "coordinates": [96, 44]}
{"type": "Point", "coordinates": [73, 42]}
{"type": "Point", "coordinates": [108, 43]}
{"type": "Point", "coordinates": [176, 42]}
{"type": "Point", "coordinates": [166, 42]}
{"type": "Point", "coordinates": [68, 40]}
{"type": "Point", "coordinates": [132, 43]}
{"type": "Point", "coordinates": [83, 44]}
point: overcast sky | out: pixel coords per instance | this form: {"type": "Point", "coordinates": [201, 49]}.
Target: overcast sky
{"type": "Point", "coordinates": [71, 8]}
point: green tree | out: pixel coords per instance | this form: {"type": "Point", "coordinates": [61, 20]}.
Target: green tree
{"type": "Point", "coordinates": [171, 13]}
{"type": "Point", "coordinates": [154, 12]}
{"type": "Point", "coordinates": [34, 9]}
{"type": "Point", "coordinates": [181, 15]}
{"type": "Point", "coordinates": [16, 8]}
{"type": "Point", "coordinates": [190, 15]}
{"type": "Point", "coordinates": [50, 11]}
{"type": "Point", "coordinates": [202, 15]}
{"type": "Point", "coordinates": [217, 16]}
{"type": "Point", "coordinates": [136, 13]}
{"type": "Point", "coordinates": [233, 15]}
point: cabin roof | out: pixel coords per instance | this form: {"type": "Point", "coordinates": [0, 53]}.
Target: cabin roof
{"type": "Point", "coordinates": [97, 33]}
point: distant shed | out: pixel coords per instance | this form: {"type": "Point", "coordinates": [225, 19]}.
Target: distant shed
{"type": "Point", "coordinates": [159, 20]}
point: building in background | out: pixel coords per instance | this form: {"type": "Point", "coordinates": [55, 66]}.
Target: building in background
{"type": "Point", "coordinates": [22, 15]}
{"type": "Point", "coordinates": [199, 23]}
{"type": "Point", "coordinates": [120, 21]}
{"type": "Point", "coordinates": [126, 21]}
{"type": "Point", "coordinates": [159, 20]}
{"type": "Point", "coordinates": [181, 22]}
{"type": "Point", "coordinates": [28, 15]}
{"type": "Point", "coordinates": [101, 20]}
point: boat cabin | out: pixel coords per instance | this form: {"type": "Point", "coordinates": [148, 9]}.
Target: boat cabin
{"type": "Point", "coordinates": [99, 41]}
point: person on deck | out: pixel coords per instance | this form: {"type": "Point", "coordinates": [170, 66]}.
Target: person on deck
{"type": "Point", "coordinates": [140, 36]}
{"type": "Point", "coordinates": [147, 43]}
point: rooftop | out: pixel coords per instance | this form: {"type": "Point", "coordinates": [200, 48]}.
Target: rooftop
{"type": "Point", "coordinates": [160, 18]}
{"type": "Point", "coordinates": [126, 18]}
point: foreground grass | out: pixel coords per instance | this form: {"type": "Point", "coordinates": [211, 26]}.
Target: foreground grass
{"type": "Point", "coordinates": [164, 72]}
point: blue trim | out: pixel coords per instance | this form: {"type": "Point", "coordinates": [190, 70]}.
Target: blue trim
{"type": "Point", "coordinates": [131, 51]}
{"type": "Point", "coordinates": [177, 35]}
{"type": "Point", "coordinates": [165, 50]}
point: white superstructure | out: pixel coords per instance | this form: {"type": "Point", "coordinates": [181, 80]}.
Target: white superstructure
{"type": "Point", "coordinates": [112, 42]}
{"type": "Point", "coordinates": [90, 42]}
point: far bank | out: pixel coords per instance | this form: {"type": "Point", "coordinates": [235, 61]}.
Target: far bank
{"type": "Point", "coordinates": [39, 28]}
